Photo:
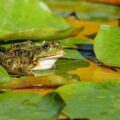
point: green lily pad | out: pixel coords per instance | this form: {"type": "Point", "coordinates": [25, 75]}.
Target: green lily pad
{"type": "Point", "coordinates": [107, 45]}
{"type": "Point", "coordinates": [38, 35]}
{"type": "Point", "coordinates": [24, 106]}
{"type": "Point", "coordinates": [65, 65]}
{"type": "Point", "coordinates": [53, 80]}
{"type": "Point", "coordinates": [72, 54]}
{"type": "Point", "coordinates": [85, 10]}
{"type": "Point", "coordinates": [92, 101]}
{"type": "Point", "coordinates": [19, 15]}
{"type": "Point", "coordinates": [73, 42]}
{"type": "Point", "coordinates": [18, 19]}
{"type": "Point", "coordinates": [4, 76]}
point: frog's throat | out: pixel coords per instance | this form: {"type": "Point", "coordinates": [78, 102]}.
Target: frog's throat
{"type": "Point", "coordinates": [48, 62]}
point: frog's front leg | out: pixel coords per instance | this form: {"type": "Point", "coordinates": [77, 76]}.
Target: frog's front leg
{"type": "Point", "coordinates": [25, 71]}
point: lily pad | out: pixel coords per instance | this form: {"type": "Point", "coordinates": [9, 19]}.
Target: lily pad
{"type": "Point", "coordinates": [39, 35]}
{"type": "Point", "coordinates": [65, 65]}
{"type": "Point", "coordinates": [72, 54]}
{"type": "Point", "coordinates": [20, 16]}
{"type": "Point", "coordinates": [92, 101]}
{"type": "Point", "coordinates": [17, 106]}
{"type": "Point", "coordinates": [4, 76]}
{"type": "Point", "coordinates": [18, 19]}
{"type": "Point", "coordinates": [107, 45]}
{"type": "Point", "coordinates": [85, 10]}
{"type": "Point", "coordinates": [53, 80]}
{"type": "Point", "coordinates": [73, 42]}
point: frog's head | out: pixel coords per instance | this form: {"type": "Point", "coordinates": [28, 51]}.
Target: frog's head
{"type": "Point", "coordinates": [47, 54]}
{"type": "Point", "coordinates": [49, 50]}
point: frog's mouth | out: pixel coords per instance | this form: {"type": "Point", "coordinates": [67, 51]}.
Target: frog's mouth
{"type": "Point", "coordinates": [48, 62]}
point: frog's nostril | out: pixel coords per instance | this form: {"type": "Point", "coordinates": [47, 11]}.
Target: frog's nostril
{"type": "Point", "coordinates": [56, 43]}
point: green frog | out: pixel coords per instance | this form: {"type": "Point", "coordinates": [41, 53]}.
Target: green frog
{"type": "Point", "coordinates": [23, 58]}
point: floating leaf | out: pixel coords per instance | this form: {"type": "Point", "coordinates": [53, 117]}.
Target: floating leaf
{"type": "Point", "coordinates": [17, 106]}
{"type": "Point", "coordinates": [65, 65]}
{"type": "Point", "coordinates": [53, 80]}
{"type": "Point", "coordinates": [73, 42]}
{"type": "Point", "coordinates": [92, 101]}
{"type": "Point", "coordinates": [39, 35]}
{"type": "Point", "coordinates": [75, 77]}
{"type": "Point", "coordinates": [20, 21]}
{"type": "Point", "coordinates": [85, 10]}
{"type": "Point", "coordinates": [18, 16]}
{"type": "Point", "coordinates": [71, 54]}
{"type": "Point", "coordinates": [4, 76]}
{"type": "Point", "coordinates": [107, 45]}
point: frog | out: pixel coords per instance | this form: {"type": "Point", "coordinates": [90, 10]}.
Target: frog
{"type": "Point", "coordinates": [23, 58]}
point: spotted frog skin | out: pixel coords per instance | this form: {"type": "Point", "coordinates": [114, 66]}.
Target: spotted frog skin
{"type": "Point", "coordinates": [21, 58]}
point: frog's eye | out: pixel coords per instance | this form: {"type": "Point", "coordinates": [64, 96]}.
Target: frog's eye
{"type": "Point", "coordinates": [46, 46]}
